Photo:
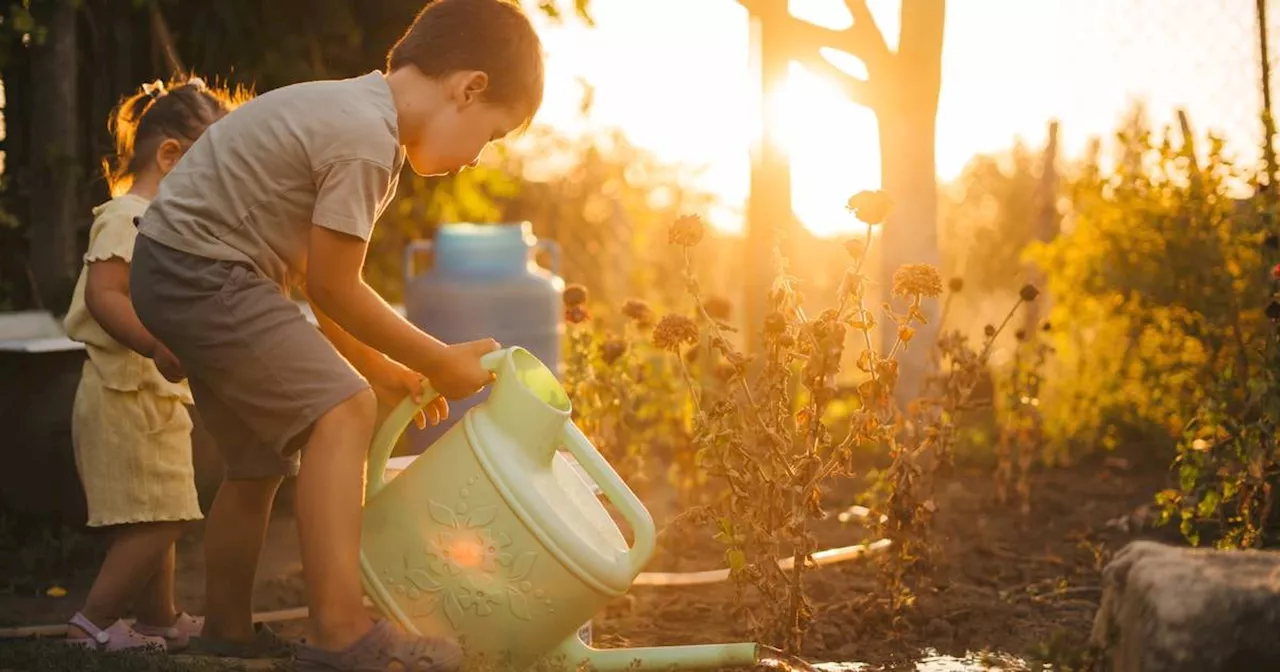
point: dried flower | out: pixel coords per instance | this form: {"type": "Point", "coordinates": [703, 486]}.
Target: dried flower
{"type": "Point", "coordinates": [1020, 335]}
{"type": "Point", "coordinates": [719, 308]}
{"type": "Point", "coordinates": [1273, 310]}
{"type": "Point", "coordinates": [612, 350]}
{"type": "Point", "coordinates": [639, 311]}
{"type": "Point", "coordinates": [686, 231]}
{"type": "Point", "coordinates": [914, 280]}
{"type": "Point", "coordinates": [989, 330]}
{"type": "Point", "coordinates": [673, 331]}
{"type": "Point", "coordinates": [576, 314]}
{"type": "Point", "coordinates": [905, 333]}
{"type": "Point", "coordinates": [870, 207]}
{"type": "Point", "coordinates": [775, 323]}
{"type": "Point", "coordinates": [955, 285]}
{"type": "Point", "coordinates": [1028, 293]}
{"type": "Point", "coordinates": [575, 295]}
{"type": "Point", "coordinates": [855, 247]}
{"type": "Point", "coordinates": [1047, 326]}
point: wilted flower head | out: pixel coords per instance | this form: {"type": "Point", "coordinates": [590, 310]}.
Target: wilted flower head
{"type": "Point", "coordinates": [855, 247]}
{"type": "Point", "coordinates": [639, 311]}
{"type": "Point", "coordinates": [612, 349]}
{"type": "Point", "coordinates": [1028, 293]}
{"type": "Point", "coordinates": [955, 285]}
{"type": "Point", "coordinates": [719, 308]}
{"type": "Point", "coordinates": [686, 231]}
{"type": "Point", "coordinates": [870, 207]}
{"type": "Point", "coordinates": [673, 331]}
{"type": "Point", "coordinates": [576, 314]}
{"type": "Point", "coordinates": [917, 280]}
{"type": "Point", "coordinates": [989, 331]}
{"type": "Point", "coordinates": [575, 295]}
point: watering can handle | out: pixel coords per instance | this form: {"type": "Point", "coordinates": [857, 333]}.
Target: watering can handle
{"type": "Point", "coordinates": [552, 249]}
{"type": "Point", "coordinates": [384, 441]}
{"type": "Point", "coordinates": [410, 254]}
{"type": "Point", "coordinates": [617, 491]}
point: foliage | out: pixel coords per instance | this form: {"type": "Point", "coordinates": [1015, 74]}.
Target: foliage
{"type": "Point", "coordinates": [1228, 462]}
{"type": "Point", "coordinates": [985, 218]}
{"type": "Point", "coordinates": [1022, 432]}
{"type": "Point", "coordinates": [762, 428]}
{"type": "Point", "coordinates": [1147, 285]}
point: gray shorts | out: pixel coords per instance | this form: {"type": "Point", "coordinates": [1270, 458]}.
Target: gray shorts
{"type": "Point", "coordinates": [260, 373]}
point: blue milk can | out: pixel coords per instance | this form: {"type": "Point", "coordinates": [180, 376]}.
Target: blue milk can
{"type": "Point", "coordinates": [484, 283]}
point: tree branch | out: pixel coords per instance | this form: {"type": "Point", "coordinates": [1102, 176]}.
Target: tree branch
{"type": "Point", "coordinates": [860, 91]}
{"type": "Point", "coordinates": [863, 39]}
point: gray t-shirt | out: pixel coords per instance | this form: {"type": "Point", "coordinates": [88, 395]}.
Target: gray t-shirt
{"type": "Point", "coordinates": [326, 153]}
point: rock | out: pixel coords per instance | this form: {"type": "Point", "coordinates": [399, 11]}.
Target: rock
{"type": "Point", "coordinates": [1178, 609]}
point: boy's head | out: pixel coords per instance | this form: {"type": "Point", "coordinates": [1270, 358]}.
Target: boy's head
{"type": "Point", "coordinates": [472, 72]}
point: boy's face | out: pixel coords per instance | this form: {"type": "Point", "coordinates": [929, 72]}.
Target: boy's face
{"type": "Point", "coordinates": [453, 137]}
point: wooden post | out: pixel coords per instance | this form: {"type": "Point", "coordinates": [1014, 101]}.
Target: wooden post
{"type": "Point", "coordinates": [1044, 228]}
{"type": "Point", "coordinates": [54, 157]}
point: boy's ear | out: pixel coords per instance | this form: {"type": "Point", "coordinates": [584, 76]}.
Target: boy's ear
{"type": "Point", "coordinates": [474, 84]}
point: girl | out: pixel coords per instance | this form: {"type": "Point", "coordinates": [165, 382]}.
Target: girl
{"type": "Point", "coordinates": [130, 427]}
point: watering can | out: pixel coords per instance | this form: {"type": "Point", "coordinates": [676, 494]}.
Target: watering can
{"type": "Point", "coordinates": [491, 537]}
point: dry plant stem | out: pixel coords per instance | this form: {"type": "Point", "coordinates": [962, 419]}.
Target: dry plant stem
{"type": "Point", "coordinates": [695, 291]}
{"type": "Point", "coordinates": [986, 350]}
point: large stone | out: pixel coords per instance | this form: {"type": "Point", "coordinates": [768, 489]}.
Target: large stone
{"type": "Point", "coordinates": [1177, 609]}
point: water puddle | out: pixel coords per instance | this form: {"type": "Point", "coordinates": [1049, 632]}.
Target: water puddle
{"type": "Point", "coordinates": [931, 662]}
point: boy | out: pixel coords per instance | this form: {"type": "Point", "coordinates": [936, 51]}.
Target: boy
{"type": "Point", "coordinates": [284, 193]}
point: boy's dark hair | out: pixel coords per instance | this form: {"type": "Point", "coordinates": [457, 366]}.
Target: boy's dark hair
{"type": "Point", "coordinates": [492, 36]}
{"type": "Point", "coordinates": [181, 110]}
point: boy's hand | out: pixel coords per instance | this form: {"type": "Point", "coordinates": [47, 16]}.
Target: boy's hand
{"type": "Point", "coordinates": [393, 382]}
{"type": "Point", "coordinates": [457, 373]}
{"type": "Point", "coordinates": [167, 363]}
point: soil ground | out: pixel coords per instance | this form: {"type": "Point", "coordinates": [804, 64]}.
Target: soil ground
{"type": "Point", "coordinates": [1022, 584]}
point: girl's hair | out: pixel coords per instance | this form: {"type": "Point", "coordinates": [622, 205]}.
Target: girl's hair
{"type": "Point", "coordinates": [181, 109]}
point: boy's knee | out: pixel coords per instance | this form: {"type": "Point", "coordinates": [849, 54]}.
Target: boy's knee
{"type": "Point", "coordinates": [360, 409]}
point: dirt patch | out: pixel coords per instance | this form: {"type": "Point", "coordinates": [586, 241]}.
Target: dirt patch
{"type": "Point", "coordinates": [1003, 581]}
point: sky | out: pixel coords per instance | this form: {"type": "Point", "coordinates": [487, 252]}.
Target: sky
{"type": "Point", "coordinates": [673, 74]}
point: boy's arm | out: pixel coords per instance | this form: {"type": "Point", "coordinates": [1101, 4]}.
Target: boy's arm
{"type": "Point", "coordinates": [365, 359]}
{"type": "Point", "coordinates": [336, 288]}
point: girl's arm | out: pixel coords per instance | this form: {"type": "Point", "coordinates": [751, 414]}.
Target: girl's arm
{"type": "Point", "coordinates": [106, 295]}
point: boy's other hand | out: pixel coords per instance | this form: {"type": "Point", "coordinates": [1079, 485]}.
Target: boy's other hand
{"type": "Point", "coordinates": [458, 372]}
{"type": "Point", "coordinates": [167, 363]}
{"type": "Point", "coordinates": [392, 383]}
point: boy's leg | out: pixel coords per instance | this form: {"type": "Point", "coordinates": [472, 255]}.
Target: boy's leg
{"type": "Point", "coordinates": [233, 537]}
{"type": "Point", "coordinates": [132, 559]}
{"type": "Point", "coordinates": [329, 498]}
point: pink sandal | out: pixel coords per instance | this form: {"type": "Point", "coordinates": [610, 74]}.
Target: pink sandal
{"type": "Point", "coordinates": [177, 636]}
{"type": "Point", "coordinates": [116, 637]}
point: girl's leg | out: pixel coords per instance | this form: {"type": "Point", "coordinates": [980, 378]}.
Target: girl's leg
{"type": "Point", "coordinates": [155, 604]}
{"type": "Point", "coordinates": [132, 560]}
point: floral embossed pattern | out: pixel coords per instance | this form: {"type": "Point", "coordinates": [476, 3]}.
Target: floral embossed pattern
{"type": "Point", "coordinates": [469, 566]}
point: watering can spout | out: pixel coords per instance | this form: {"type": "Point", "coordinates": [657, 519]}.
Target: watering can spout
{"type": "Point", "coordinates": [576, 653]}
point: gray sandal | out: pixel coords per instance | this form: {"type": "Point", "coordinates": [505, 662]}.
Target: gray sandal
{"type": "Point", "coordinates": [379, 649]}
{"type": "Point", "coordinates": [265, 644]}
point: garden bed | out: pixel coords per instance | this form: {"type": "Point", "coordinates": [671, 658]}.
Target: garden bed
{"type": "Point", "coordinates": [1004, 582]}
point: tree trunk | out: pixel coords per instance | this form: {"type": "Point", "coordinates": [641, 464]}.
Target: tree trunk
{"type": "Point", "coordinates": [769, 210]}
{"type": "Point", "coordinates": [907, 114]}
{"type": "Point", "coordinates": [911, 235]}
{"type": "Point", "coordinates": [55, 163]}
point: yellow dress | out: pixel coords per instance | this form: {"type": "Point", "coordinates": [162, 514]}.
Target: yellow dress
{"type": "Point", "coordinates": [130, 427]}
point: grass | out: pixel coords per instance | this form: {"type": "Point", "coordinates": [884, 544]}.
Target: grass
{"type": "Point", "coordinates": [51, 655]}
